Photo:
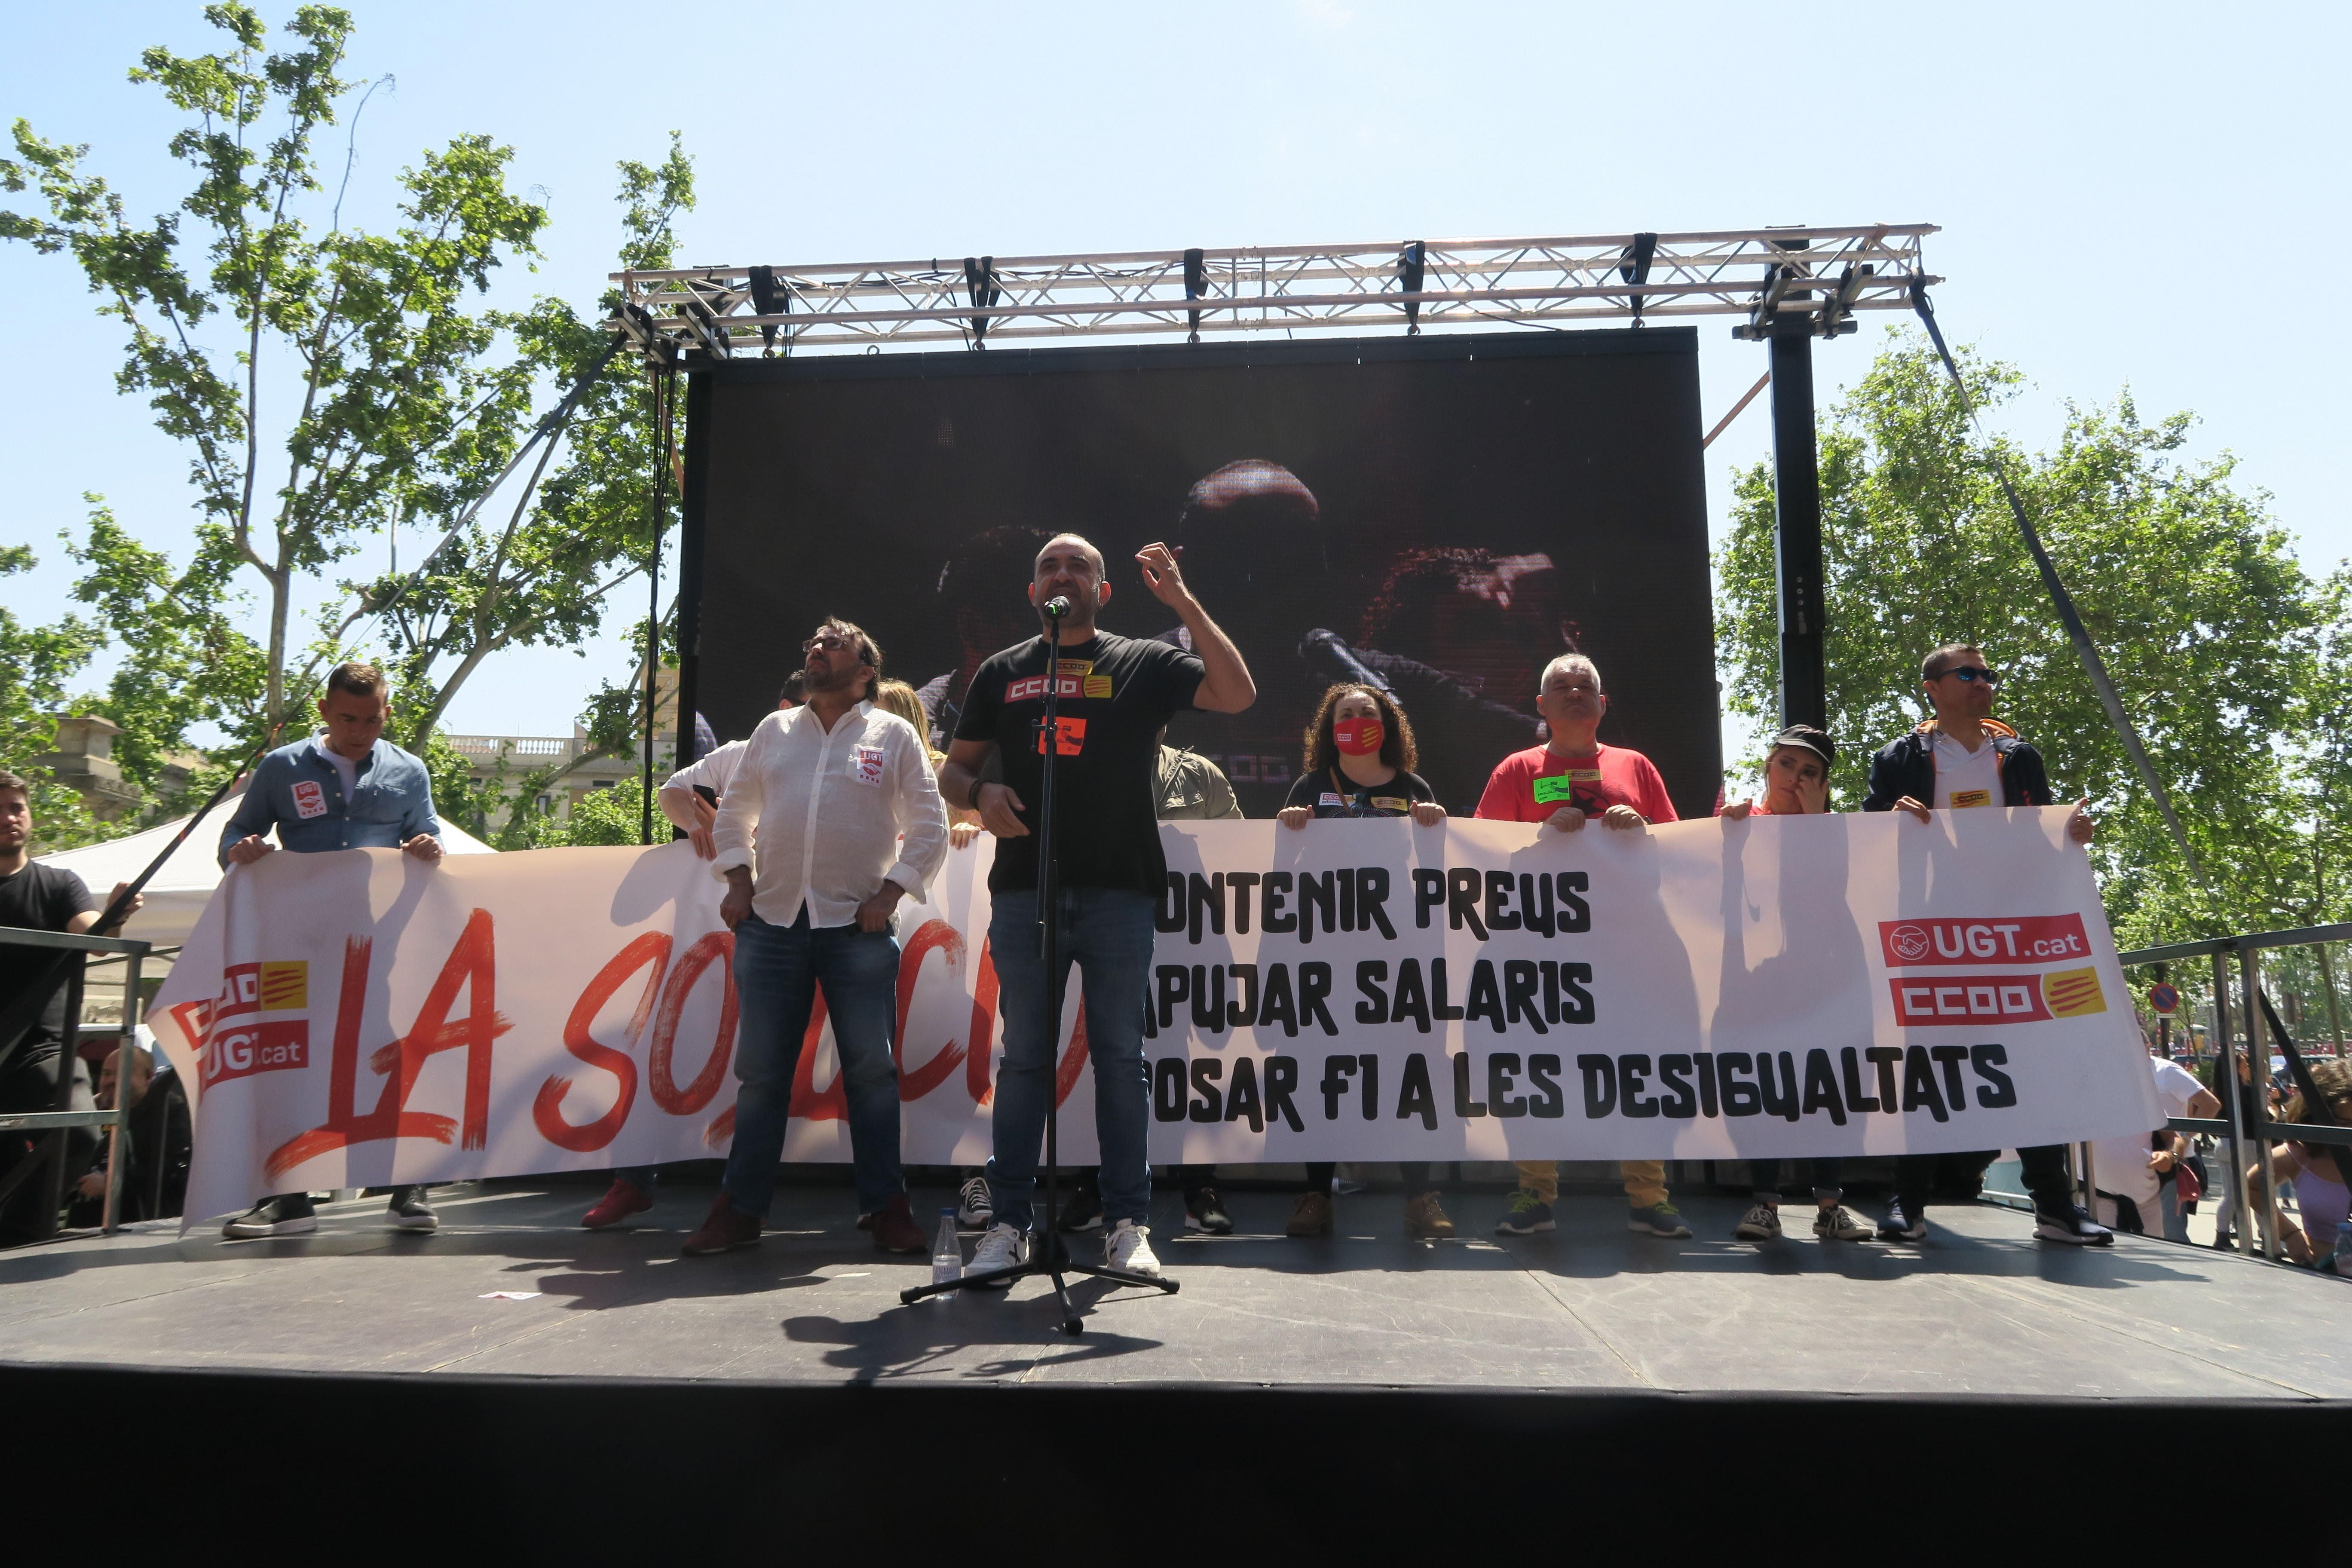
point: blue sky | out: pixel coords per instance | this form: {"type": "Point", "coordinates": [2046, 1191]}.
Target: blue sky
{"type": "Point", "coordinates": [2131, 195]}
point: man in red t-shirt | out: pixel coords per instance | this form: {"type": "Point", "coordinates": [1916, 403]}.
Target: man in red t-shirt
{"type": "Point", "coordinates": [1560, 785]}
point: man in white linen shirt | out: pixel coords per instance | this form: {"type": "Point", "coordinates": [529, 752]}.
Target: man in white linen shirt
{"type": "Point", "coordinates": [829, 788]}
{"type": "Point", "coordinates": [694, 815]}
{"type": "Point", "coordinates": [679, 798]}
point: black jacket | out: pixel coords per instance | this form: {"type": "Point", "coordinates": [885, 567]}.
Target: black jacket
{"type": "Point", "coordinates": [1908, 766]}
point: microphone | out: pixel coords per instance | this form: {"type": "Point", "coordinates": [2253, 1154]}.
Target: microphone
{"type": "Point", "coordinates": [1057, 606]}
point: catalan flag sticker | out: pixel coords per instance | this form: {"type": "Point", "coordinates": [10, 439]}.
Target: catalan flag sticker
{"type": "Point", "coordinates": [2072, 993]}
{"type": "Point", "coordinates": [285, 985]}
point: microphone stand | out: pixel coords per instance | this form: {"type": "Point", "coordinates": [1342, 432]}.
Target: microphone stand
{"type": "Point", "coordinates": [1049, 1256]}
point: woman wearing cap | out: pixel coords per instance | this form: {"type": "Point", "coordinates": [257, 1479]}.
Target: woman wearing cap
{"type": "Point", "coordinates": [1360, 761]}
{"type": "Point", "coordinates": [1797, 784]}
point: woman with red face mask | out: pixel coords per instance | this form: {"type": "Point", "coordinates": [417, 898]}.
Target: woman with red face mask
{"type": "Point", "coordinates": [1360, 762]}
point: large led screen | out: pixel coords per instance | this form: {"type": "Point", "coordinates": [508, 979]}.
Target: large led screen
{"type": "Point", "coordinates": [1444, 514]}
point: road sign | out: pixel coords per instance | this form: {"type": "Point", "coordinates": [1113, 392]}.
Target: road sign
{"type": "Point", "coordinates": [2164, 999]}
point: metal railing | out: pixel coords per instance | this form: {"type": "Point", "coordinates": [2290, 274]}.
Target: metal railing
{"type": "Point", "coordinates": [535, 746]}
{"type": "Point", "coordinates": [55, 1123]}
{"type": "Point", "coordinates": [2253, 1124]}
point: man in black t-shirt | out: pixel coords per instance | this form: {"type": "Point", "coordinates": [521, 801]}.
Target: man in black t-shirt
{"type": "Point", "coordinates": [1115, 694]}
{"type": "Point", "coordinates": [34, 898]}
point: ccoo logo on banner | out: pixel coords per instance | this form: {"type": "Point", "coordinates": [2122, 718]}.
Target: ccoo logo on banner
{"type": "Point", "coordinates": [1352, 989]}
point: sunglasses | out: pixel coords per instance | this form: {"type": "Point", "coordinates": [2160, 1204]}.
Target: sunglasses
{"type": "Point", "coordinates": [829, 643]}
{"type": "Point", "coordinates": [1971, 674]}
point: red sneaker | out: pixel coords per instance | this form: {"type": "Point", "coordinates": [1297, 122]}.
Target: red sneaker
{"type": "Point", "coordinates": [723, 1231]}
{"type": "Point", "coordinates": [617, 1204]}
{"type": "Point", "coordinates": [895, 1229]}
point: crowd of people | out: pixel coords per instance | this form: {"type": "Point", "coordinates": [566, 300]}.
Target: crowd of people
{"type": "Point", "coordinates": [838, 806]}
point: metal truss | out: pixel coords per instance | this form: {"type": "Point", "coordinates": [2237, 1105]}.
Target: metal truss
{"type": "Point", "coordinates": [1776, 280]}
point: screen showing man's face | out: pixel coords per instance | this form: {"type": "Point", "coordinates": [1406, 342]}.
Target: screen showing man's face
{"type": "Point", "coordinates": [1436, 516]}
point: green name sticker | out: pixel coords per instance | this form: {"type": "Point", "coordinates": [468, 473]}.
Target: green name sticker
{"type": "Point", "coordinates": [1553, 790]}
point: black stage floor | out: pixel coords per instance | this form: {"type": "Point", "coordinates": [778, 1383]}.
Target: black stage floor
{"type": "Point", "coordinates": [1978, 1346]}
{"type": "Point", "coordinates": [1978, 1308]}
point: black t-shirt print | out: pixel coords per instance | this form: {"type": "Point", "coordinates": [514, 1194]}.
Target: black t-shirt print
{"type": "Point", "coordinates": [39, 898]}
{"type": "Point", "coordinates": [1115, 694]}
{"type": "Point", "coordinates": [1333, 794]}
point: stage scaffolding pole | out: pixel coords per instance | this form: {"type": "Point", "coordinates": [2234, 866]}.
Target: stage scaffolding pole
{"type": "Point", "coordinates": [1797, 530]}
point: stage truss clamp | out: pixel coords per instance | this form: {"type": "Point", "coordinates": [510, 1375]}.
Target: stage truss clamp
{"type": "Point", "coordinates": [1808, 279]}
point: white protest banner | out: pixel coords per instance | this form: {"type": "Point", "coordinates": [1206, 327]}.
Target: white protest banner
{"type": "Point", "coordinates": [1783, 986]}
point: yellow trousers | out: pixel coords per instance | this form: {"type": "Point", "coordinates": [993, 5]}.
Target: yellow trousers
{"type": "Point", "coordinates": [1646, 1180]}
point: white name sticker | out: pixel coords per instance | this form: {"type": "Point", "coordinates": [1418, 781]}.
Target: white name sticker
{"type": "Point", "coordinates": [866, 764]}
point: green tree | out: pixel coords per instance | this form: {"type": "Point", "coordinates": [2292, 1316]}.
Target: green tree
{"type": "Point", "coordinates": [36, 664]}
{"type": "Point", "coordinates": [411, 412]}
{"type": "Point", "coordinates": [238, 288]}
{"type": "Point", "coordinates": [547, 574]}
{"type": "Point", "coordinates": [607, 815]}
{"type": "Point", "coordinates": [185, 666]}
{"type": "Point", "coordinates": [2212, 630]}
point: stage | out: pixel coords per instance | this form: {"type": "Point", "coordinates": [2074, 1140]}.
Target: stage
{"type": "Point", "coordinates": [1978, 1309]}
{"type": "Point", "coordinates": [1382, 1357]}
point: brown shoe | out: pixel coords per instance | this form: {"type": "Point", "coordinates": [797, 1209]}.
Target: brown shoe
{"type": "Point", "coordinates": [1424, 1218]}
{"type": "Point", "coordinates": [1312, 1216]}
{"type": "Point", "coordinates": [895, 1229]}
{"type": "Point", "coordinates": [723, 1231]}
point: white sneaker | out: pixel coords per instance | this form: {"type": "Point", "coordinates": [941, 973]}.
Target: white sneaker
{"type": "Point", "coordinates": [1002, 1247]}
{"type": "Point", "coordinates": [1762, 1223]}
{"type": "Point", "coordinates": [975, 1207]}
{"type": "Point", "coordinates": [1128, 1249]}
{"type": "Point", "coordinates": [1839, 1222]}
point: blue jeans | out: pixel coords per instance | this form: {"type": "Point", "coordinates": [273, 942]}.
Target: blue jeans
{"type": "Point", "coordinates": [777, 971]}
{"type": "Point", "coordinates": [641, 1177]}
{"type": "Point", "coordinates": [1109, 934]}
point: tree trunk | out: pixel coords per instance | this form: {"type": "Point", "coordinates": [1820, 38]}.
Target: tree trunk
{"type": "Point", "coordinates": [280, 595]}
{"type": "Point", "coordinates": [422, 731]}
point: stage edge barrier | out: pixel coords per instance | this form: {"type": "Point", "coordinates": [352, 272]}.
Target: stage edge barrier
{"type": "Point", "coordinates": [53, 1123]}
{"type": "Point", "coordinates": [2255, 1008]}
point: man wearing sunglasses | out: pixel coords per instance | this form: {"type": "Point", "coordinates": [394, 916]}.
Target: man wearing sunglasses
{"type": "Point", "coordinates": [1960, 759]}
{"type": "Point", "coordinates": [832, 817]}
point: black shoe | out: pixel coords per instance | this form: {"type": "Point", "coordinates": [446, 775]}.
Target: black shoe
{"type": "Point", "coordinates": [1084, 1210]}
{"type": "Point", "coordinates": [288, 1214]}
{"type": "Point", "coordinates": [2073, 1226]}
{"type": "Point", "coordinates": [1204, 1211]}
{"type": "Point", "coordinates": [1900, 1227]}
{"type": "Point", "coordinates": [409, 1211]}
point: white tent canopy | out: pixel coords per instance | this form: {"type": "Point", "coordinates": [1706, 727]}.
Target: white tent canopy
{"type": "Point", "coordinates": [184, 884]}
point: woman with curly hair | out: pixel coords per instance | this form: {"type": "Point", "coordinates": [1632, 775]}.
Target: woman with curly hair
{"type": "Point", "coordinates": [1360, 761]}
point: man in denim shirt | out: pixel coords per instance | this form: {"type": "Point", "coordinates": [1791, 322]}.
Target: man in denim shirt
{"type": "Point", "coordinates": [346, 787]}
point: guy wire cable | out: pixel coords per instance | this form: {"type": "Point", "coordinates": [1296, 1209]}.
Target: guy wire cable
{"type": "Point", "coordinates": [2076, 633]}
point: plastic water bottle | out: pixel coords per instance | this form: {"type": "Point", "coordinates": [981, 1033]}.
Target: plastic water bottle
{"type": "Point", "coordinates": [947, 1253]}
{"type": "Point", "coordinates": [2340, 1260]}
